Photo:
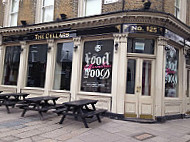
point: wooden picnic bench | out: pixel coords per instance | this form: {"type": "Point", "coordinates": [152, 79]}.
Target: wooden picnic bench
{"type": "Point", "coordinates": [80, 108]}
{"type": "Point", "coordinates": [11, 99]}
{"type": "Point", "coordinates": [39, 104]}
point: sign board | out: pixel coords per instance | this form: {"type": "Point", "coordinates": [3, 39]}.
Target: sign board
{"type": "Point", "coordinates": [40, 36]}
{"type": "Point", "coordinates": [97, 66]}
{"type": "Point", "coordinates": [135, 28]}
{"type": "Point", "coordinates": [110, 1]}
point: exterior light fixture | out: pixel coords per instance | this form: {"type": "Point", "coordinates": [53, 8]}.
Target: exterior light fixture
{"type": "Point", "coordinates": [147, 4]}
{"type": "Point", "coordinates": [21, 50]}
{"type": "Point", "coordinates": [75, 47]}
{"type": "Point", "coordinates": [49, 49]}
{"type": "Point", "coordinates": [116, 46]}
{"type": "Point", "coordinates": [23, 22]}
{"type": "Point", "coordinates": [63, 16]}
{"type": "Point", "coordinates": [167, 48]}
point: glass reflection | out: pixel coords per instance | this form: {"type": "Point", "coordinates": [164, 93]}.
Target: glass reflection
{"type": "Point", "coordinates": [63, 66]}
{"type": "Point", "coordinates": [11, 65]}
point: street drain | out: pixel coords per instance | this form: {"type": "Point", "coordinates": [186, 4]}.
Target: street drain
{"type": "Point", "coordinates": [143, 136]}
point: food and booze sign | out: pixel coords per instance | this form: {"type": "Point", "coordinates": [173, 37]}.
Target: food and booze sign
{"type": "Point", "coordinates": [97, 66]}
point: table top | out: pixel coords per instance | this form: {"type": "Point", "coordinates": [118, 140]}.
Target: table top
{"type": "Point", "coordinates": [80, 102]}
{"type": "Point", "coordinates": [1, 91]}
{"type": "Point", "coordinates": [13, 94]}
{"type": "Point", "coordinates": [42, 98]}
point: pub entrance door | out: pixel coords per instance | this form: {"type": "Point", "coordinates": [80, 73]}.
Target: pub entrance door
{"type": "Point", "coordinates": [139, 87]}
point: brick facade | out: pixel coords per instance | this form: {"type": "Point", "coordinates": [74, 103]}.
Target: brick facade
{"type": "Point", "coordinates": [68, 7]}
{"type": "Point", "coordinates": [27, 12]}
{"type": "Point", "coordinates": [188, 12]}
{"type": "Point", "coordinates": [1, 14]}
{"type": "Point", "coordinates": [27, 8]}
{"type": "Point", "coordinates": [169, 6]}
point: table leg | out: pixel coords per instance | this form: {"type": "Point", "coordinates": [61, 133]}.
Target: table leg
{"type": "Point", "coordinates": [84, 121]}
{"type": "Point", "coordinates": [41, 115]}
{"type": "Point", "coordinates": [7, 107]}
{"type": "Point", "coordinates": [64, 115]}
{"type": "Point", "coordinates": [23, 113]}
{"type": "Point", "coordinates": [98, 117]}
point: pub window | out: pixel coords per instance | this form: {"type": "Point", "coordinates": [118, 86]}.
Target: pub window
{"type": "Point", "coordinates": [47, 10]}
{"type": "Point", "coordinates": [97, 66]}
{"type": "Point", "coordinates": [177, 9]}
{"type": "Point", "coordinates": [14, 12]}
{"type": "Point", "coordinates": [37, 61]}
{"type": "Point", "coordinates": [171, 72]}
{"type": "Point", "coordinates": [63, 66]}
{"type": "Point", "coordinates": [93, 7]}
{"type": "Point", "coordinates": [138, 45]}
{"type": "Point", "coordinates": [11, 65]}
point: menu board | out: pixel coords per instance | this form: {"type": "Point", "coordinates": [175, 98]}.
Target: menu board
{"type": "Point", "coordinates": [97, 66]}
{"type": "Point", "coordinates": [171, 72]}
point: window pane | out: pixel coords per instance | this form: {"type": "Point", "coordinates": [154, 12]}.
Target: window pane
{"type": "Point", "coordinates": [14, 18]}
{"type": "Point", "coordinates": [11, 65]}
{"type": "Point", "coordinates": [48, 14]}
{"type": "Point", "coordinates": [63, 66]}
{"type": "Point", "coordinates": [37, 60]}
{"type": "Point", "coordinates": [93, 7]}
{"type": "Point", "coordinates": [146, 78]}
{"type": "Point", "coordinates": [48, 2]}
{"type": "Point", "coordinates": [97, 66]}
{"type": "Point", "coordinates": [171, 72]}
{"type": "Point", "coordinates": [144, 46]}
{"type": "Point", "coordinates": [15, 5]}
{"type": "Point", "coordinates": [131, 71]}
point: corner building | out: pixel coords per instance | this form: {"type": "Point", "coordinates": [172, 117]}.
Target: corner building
{"type": "Point", "coordinates": [132, 56]}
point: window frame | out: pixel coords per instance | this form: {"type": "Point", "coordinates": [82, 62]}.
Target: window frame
{"type": "Point", "coordinates": [82, 8]}
{"type": "Point", "coordinates": [54, 64]}
{"type": "Point", "coordinates": [12, 13]}
{"type": "Point", "coordinates": [177, 11]}
{"type": "Point", "coordinates": [43, 7]}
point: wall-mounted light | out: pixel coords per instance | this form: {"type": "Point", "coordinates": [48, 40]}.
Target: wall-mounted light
{"type": "Point", "coordinates": [75, 47]}
{"type": "Point", "coordinates": [146, 4]}
{"type": "Point", "coordinates": [167, 48]}
{"type": "Point", "coordinates": [116, 46]}
{"type": "Point", "coordinates": [49, 49]}
{"type": "Point", "coordinates": [21, 50]}
{"type": "Point", "coordinates": [63, 16]}
{"type": "Point", "coordinates": [23, 22]}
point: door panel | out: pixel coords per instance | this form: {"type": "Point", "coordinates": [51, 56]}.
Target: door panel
{"type": "Point", "coordinates": [139, 88]}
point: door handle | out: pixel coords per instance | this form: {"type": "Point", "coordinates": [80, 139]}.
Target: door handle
{"type": "Point", "coordinates": [138, 89]}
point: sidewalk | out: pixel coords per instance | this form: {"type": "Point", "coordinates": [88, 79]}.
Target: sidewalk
{"type": "Point", "coordinates": [13, 128]}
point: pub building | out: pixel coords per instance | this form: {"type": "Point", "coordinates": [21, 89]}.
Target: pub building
{"type": "Point", "coordinates": [136, 63]}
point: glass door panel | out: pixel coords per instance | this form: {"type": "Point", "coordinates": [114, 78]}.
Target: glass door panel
{"type": "Point", "coordinates": [146, 78]}
{"type": "Point", "coordinates": [131, 74]}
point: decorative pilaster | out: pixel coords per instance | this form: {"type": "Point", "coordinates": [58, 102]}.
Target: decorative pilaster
{"type": "Point", "coordinates": [49, 68]}
{"type": "Point", "coordinates": [159, 77]}
{"type": "Point", "coordinates": [76, 72]}
{"type": "Point", "coordinates": [119, 72]}
{"type": "Point", "coordinates": [22, 76]}
{"type": "Point", "coordinates": [1, 58]}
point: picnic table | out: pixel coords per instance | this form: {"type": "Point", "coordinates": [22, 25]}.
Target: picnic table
{"type": "Point", "coordinates": [81, 108]}
{"type": "Point", "coordinates": [39, 104]}
{"type": "Point", "coordinates": [1, 91]}
{"type": "Point", "coordinates": [11, 99]}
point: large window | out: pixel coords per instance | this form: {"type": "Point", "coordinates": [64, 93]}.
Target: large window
{"type": "Point", "coordinates": [37, 61]}
{"type": "Point", "coordinates": [171, 72]}
{"type": "Point", "coordinates": [93, 7]}
{"type": "Point", "coordinates": [138, 45]}
{"type": "Point", "coordinates": [14, 12]}
{"type": "Point", "coordinates": [11, 65]}
{"type": "Point", "coordinates": [97, 66]}
{"type": "Point", "coordinates": [63, 66]}
{"type": "Point", "coordinates": [177, 8]}
{"type": "Point", "coordinates": [47, 10]}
